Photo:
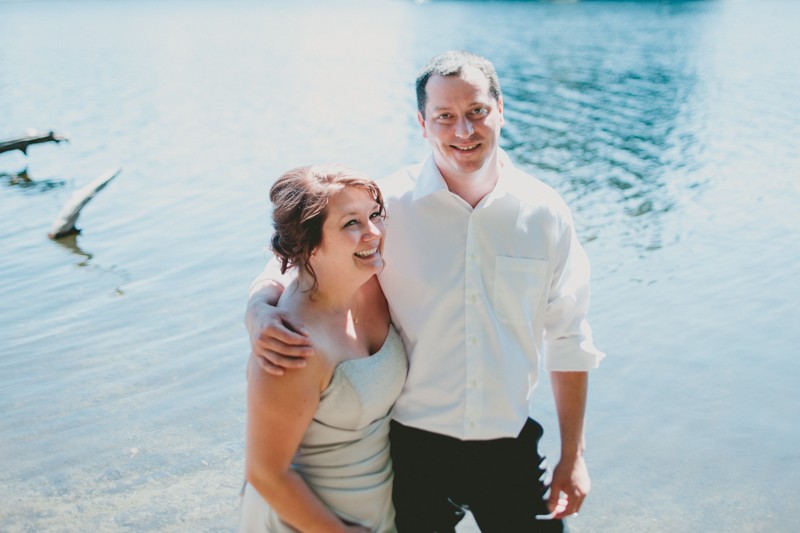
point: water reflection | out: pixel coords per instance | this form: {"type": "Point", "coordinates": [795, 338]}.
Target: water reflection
{"type": "Point", "coordinates": [70, 242]}
{"type": "Point", "coordinates": [23, 180]}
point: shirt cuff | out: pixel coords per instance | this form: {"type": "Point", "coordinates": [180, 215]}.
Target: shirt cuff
{"type": "Point", "coordinates": [272, 272]}
{"type": "Point", "coordinates": [572, 354]}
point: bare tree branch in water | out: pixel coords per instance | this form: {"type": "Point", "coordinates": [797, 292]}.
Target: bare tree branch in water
{"type": "Point", "coordinates": [22, 143]}
{"type": "Point", "coordinates": [64, 224]}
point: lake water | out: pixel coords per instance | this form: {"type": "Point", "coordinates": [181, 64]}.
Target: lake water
{"type": "Point", "coordinates": [670, 127]}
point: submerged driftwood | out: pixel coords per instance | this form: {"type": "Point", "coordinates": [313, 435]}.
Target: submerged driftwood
{"type": "Point", "coordinates": [22, 143]}
{"type": "Point", "coordinates": [64, 224]}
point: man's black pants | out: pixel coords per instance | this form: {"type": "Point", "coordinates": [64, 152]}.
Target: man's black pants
{"type": "Point", "coordinates": [500, 481]}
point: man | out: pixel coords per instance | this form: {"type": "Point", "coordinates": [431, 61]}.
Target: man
{"type": "Point", "coordinates": [484, 273]}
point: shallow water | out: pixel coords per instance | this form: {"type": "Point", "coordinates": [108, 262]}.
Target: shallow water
{"type": "Point", "coordinates": [670, 127]}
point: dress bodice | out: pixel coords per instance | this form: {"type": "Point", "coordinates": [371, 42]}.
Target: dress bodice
{"type": "Point", "coordinates": [344, 454]}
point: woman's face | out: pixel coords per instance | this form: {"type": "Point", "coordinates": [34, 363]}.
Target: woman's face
{"type": "Point", "coordinates": [352, 235]}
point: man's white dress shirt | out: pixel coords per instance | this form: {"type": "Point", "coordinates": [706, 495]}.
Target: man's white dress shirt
{"type": "Point", "coordinates": [479, 296]}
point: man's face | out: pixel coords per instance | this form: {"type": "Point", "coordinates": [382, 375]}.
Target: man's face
{"type": "Point", "coordinates": [462, 123]}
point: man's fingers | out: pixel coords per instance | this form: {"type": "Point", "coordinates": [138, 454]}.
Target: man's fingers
{"type": "Point", "coordinates": [280, 354]}
{"type": "Point", "coordinates": [566, 506]}
{"type": "Point", "coordinates": [578, 504]}
{"type": "Point", "coordinates": [275, 363]}
{"type": "Point", "coordinates": [283, 335]}
{"type": "Point", "coordinates": [296, 327]}
{"type": "Point", "coordinates": [554, 500]}
{"type": "Point", "coordinates": [279, 342]}
{"type": "Point", "coordinates": [268, 367]}
{"type": "Point", "coordinates": [267, 345]}
{"type": "Point", "coordinates": [284, 361]}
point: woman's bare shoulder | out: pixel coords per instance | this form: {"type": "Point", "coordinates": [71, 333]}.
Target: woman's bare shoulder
{"type": "Point", "coordinates": [371, 294]}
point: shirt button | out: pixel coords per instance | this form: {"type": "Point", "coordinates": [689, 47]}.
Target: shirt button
{"type": "Point", "coordinates": [473, 256]}
{"type": "Point", "coordinates": [472, 424]}
{"type": "Point", "coordinates": [473, 383]}
{"type": "Point", "coordinates": [473, 299]}
{"type": "Point", "coordinates": [473, 341]}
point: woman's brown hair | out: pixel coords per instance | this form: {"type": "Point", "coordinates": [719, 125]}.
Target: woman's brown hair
{"type": "Point", "coordinates": [300, 204]}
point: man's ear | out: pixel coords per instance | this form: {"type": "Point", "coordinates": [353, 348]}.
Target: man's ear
{"type": "Point", "coordinates": [500, 110]}
{"type": "Point", "coordinates": [421, 121]}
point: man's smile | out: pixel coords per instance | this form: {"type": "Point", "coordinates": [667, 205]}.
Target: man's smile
{"type": "Point", "coordinates": [466, 148]}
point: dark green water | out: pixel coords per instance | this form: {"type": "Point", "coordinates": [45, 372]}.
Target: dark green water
{"type": "Point", "coordinates": [670, 127]}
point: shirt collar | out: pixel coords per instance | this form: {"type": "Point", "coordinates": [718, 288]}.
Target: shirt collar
{"type": "Point", "coordinates": [506, 168]}
{"type": "Point", "coordinates": [430, 180]}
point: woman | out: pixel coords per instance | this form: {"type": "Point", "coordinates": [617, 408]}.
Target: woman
{"type": "Point", "coordinates": [317, 439]}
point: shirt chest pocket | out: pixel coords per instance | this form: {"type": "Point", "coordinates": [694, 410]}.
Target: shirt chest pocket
{"type": "Point", "coordinates": [519, 284]}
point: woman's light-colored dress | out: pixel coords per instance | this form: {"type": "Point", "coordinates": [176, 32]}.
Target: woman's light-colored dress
{"type": "Point", "coordinates": [344, 456]}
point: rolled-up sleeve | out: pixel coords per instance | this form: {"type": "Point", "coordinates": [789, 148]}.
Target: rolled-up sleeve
{"type": "Point", "coordinates": [272, 272]}
{"type": "Point", "coordinates": [568, 344]}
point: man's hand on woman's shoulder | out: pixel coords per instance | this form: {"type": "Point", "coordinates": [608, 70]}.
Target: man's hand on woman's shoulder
{"type": "Point", "coordinates": [278, 339]}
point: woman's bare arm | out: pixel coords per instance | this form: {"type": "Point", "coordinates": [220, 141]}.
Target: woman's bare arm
{"type": "Point", "coordinates": [279, 411]}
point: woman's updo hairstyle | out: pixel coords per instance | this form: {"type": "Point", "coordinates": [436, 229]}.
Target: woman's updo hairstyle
{"type": "Point", "coordinates": [300, 204]}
